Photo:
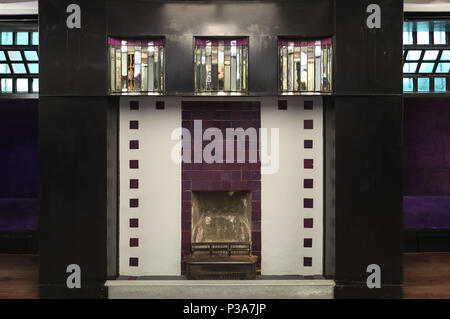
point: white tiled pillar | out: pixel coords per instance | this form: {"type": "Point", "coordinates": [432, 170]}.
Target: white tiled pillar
{"type": "Point", "coordinates": [292, 198]}
{"type": "Point", "coordinates": [150, 188]}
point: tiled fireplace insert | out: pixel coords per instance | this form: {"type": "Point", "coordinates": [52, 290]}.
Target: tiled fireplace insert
{"type": "Point", "coordinates": [159, 197]}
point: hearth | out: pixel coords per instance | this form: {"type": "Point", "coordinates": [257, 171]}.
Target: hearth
{"type": "Point", "coordinates": [221, 236]}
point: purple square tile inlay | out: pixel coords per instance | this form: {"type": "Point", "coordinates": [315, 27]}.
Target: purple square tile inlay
{"type": "Point", "coordinates": [307, 242]}
{"type": "Point", "coordinates": [308, 163]}
{"type": "Point", "coordinates": [134, 105]}
{"type": "Point", "coordinates": [307, 261]}
{"type": "Point", "coordinates": [308, 203]}
{"type": "Point", "coordinates": [134, 242]}
{"type": "Point", "coordinates": [308, 124]}
{"type": "Point", "coordinates": [134, 145]}
{"type": "Point", "coordinates": [308, 105]}
{"type": "Point", "coordinates": [134, 164]}
{"type": "Point", "coordinates": [134, 125]}
{"type": "Point", "coordinates": [134, 261]}
{"type": "Point", "coordinates": [307, 222]}
{"type": "Point", "coordinates": [282, 104]}
{"type": "Point", "coordinates": [308, 144]}
{"type": "Point", "coordinates": [134, 183]}
{"type": "Point", "coordinates": [134, 222]}
{"type": "Point", "coordinates": [134, 202]}
{"type": "Point", "coordinates": [308, 183]}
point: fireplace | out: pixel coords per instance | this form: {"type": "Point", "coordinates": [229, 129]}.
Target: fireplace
{"type": "Point", "coordinates": [227, 218]}
{"type": "Point", "coordinates": [221, 236]}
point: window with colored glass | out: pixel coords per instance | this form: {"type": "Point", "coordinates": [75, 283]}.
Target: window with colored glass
{"type": "Point", "coordinates": [136, 66]}
{"type": "Point", "coordinates": [221, 65]}
{"type": "Point", "coordinates": [19, 60]}
{"type": "Point", "coordinates": [426, 56]}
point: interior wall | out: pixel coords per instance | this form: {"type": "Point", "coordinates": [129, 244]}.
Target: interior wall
{"type": "Point", "coordinates": [368, 194]}
{"type": "Point", "coordinates": [72, 194]}
{"type": "Point", "coordinates": [150, 219]}
{"type": "Point", "coordinates": [292, 213]}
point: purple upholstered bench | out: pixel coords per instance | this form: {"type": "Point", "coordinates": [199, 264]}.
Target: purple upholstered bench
{"type": "Point", "coordinates": [18, 214]}
{"type": "Point", "coordinates": [426, 212]}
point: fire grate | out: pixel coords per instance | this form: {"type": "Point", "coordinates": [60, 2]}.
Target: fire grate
{"type": "Point", "coordinates": [221, 249]}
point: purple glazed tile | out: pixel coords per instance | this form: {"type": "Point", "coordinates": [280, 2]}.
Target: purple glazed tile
{"type": "Point", "coordinates": [307, 242]}
{"type": "Point", "coordinates": [134, 202]}
{"type": "Point", "coordinates": [308, 105]}
{"type": "Point", "coordinates": [251, 175]}
{"type": "Point", "coordinates": [308, 124]}
{"type": "Point", "coordinates": [134, 125]}
{"type": "Point", "coordinates": [134, 222]}
{"type": "Point", "coordinates": [134, 242]}
{"type": "Point", "coordinates": [236, 175]}
{"type": "Point", "coordinates": [307, 261]}
{"type": "Point", "coordinates": [308, 144]}
{"type": "Point", "coordinates": [307, 222]}
{"type": "Point", "coordinates": [308, 183]}
{"type": "Point", "coordinates": [134, 164]}
{"type": "Point", "coordinates": [134, 262]}
{"type": "Point", "coordinates": [134, 183]}
{"type": "Point", "coordinates": [308, 163]}
{"type": "Point", "coordinates": [134, 145]}
{"type": "Point", "coordinates": [225, 176]}
{"type": "Point", "coordinates": [308, 203]}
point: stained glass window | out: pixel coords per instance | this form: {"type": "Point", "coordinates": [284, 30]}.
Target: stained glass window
{"type": "Point", "coordinates": [426, 56]}
{"type": "Point", "coordinates": [305, 66]}
{"type": "Point", "coordinates": [19, 66]}
{"type": "Point", "coordinates": [221, 65]}
{"type": "Point", "coordinates": [136, 66]}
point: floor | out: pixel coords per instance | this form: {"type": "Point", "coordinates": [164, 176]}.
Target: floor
{"type": "Point", "coordinates": [19, 276]}
{"type": "Point", "coordinates": [426, 275]}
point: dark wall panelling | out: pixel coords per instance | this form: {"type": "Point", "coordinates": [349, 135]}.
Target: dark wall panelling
{"type": "Point", "coordinates": [72, 198]}
{"type": "Point", "coordinates": [72, 62]}
{"type": "Point", "coordinates": [19, 242]}
{"type": "Point", "coordinates": [368, 60]}
{"type": "Point", "coordinates": [427, 240]}
{"type": "Point", "coordinates": [368, 188]}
